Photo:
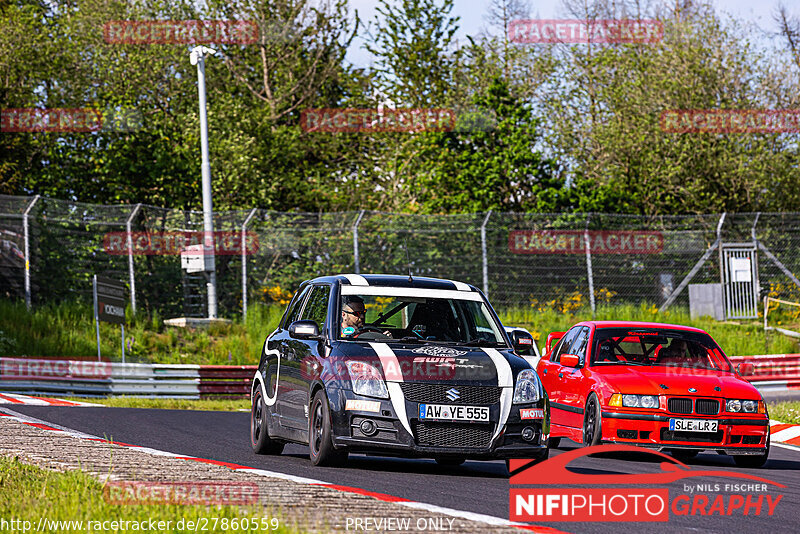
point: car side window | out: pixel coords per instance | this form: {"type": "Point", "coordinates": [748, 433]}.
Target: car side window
{"type": "Point", "coordinates": [317, 308]}
{"type": "Point", "coordinates": [565, 344]}
{"type": "Point", "coordinates": [293, 312]}
{"type": "Point", "coordinates": [578, 345]}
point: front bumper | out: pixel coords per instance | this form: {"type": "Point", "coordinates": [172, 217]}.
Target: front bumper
{"type": "Point", "coordinates": [464, 440]}
{"type": "Point", "coordinates": [737, 434]}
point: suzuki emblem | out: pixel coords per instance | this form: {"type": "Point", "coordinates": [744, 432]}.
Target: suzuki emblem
{"type": "Point", "coordinates": [453, 394]}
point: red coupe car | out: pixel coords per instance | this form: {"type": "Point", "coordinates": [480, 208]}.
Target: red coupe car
{"type": "Point", "coordinates": [654, 385]}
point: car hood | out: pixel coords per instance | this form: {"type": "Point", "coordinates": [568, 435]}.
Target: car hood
{"type": "Point", "coordinates": [432, 363]}
{"type": "Point", "coordinates": [649, 381]}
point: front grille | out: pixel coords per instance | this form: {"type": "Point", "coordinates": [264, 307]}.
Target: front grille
{"type": "Point", "coordinates": [702, 437]}
{"type": "Point", "coordinates": [679, 405]}
{"type": "Point", "coordinates": [452, 435]}
{"type": "Point", "coordinates": [437, 393]}
{"type": "Point", "coordinates": [706, 406]}
{"type": "Point", "coordinates": [627, 434]}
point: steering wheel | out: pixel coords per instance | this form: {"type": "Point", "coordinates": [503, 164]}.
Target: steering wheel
{"type": "Point", "coordinates": [365, 329]}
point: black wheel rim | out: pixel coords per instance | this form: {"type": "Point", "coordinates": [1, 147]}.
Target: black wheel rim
{"type": "Point", "coordinates": [316, 429]}
{"type": "Point", "coordinates": [589, 425]}
{"type": "Point", "coordinates": [255, 427]}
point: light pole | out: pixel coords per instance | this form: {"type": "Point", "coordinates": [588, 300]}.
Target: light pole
{"type": "Point", "coordinates": [197, 57]}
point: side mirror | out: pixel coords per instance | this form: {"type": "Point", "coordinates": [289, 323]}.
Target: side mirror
{"type": "Point", "coordinates": [746, 369]}
{"type": "Point", "coordinates": [570, 360]}
{"type": "Point", "coordinates": [522, 342]}
{"type": "Point", "coordinates": [304, 330]}
{"type": "Point", "coordinates": [552, 339]}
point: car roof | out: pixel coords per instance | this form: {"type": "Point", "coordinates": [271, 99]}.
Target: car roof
{"type": "Point", "coordinates": [639, 324]}
{"type": "Point", "coordinates": [393, 280]}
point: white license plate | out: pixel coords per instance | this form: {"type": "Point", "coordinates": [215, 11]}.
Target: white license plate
{"type": "Point", "coordinates": [693, 425]}
{"type": "Point", "coordinates": [446, 412]}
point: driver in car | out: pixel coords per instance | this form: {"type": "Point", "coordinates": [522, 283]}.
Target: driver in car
{"type": "Point", "coordinates": [353, 314]}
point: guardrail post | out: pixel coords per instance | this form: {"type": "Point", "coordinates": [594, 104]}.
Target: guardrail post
{"type": "Point", "coordinates": [244, 263]}
{"type": "Point", "coordinates": [28, 252]}
{"type": "Point", "coordinates": [356, 259]}
{"type": "Point", "coordinates": [590, 274]}
{"type": "Point", "coordinates": [485, 258]}
{"type": "Point", "coordinates": [131, 275]}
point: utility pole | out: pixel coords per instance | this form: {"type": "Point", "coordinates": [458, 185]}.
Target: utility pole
{"type": "Point", "coordinates": [197, 57]}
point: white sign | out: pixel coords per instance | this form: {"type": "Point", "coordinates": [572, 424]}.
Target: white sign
{"type": "Point", "coordinates": [193, 259]}
{"type": "Point", "coordinates": [741, 270]}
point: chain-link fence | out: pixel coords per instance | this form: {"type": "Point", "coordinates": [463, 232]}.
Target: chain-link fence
{"type": "Point", "coordinates": [50, 249]}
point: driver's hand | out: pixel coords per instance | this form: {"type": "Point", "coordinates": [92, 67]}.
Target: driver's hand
{"type": "Point", "coordinates": [387, 333]}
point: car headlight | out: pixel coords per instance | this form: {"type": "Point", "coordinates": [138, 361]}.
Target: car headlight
{"type": "Point", "coordinates": [634, 401]}
{"type": "Point", "coordinates": [366, 380]}
{"type": "Point", "coordinates": [746, 406]}
{"type": "Point", "coordinates": [527, 389]}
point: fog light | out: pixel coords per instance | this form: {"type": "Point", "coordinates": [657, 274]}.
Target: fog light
{"type": "Point", "coordinates": [528, 433]}
{"type": "Point", "coordinates": [368, 428]}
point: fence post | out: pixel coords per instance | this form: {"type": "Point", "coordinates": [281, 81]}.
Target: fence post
{"type": "Point", "coordinates": [130, 256]}
{"type": "Point", "coordinates": [356, 259]}
{"type": "Point", "coordinates": [588, 244]}
{"type": "Point", "coordinates": [28, 252]}
{"type": "Point", "coordinates": [485, 258]}
{"type": "Point", "coordinates": [244, 263]}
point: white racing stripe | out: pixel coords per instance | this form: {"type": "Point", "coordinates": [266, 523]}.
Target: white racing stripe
{"type": "Point", "coordinates": [505, 380]}
{"type": "Point", "coordinates": [356, 279]}
{"type": "Point", "coordinates": [389, 362]}
{"type": "Point", "coordinates": [416, 292]}
{"type": "Point", "coordinates": [270, 401]}
{"type": "Point", "coordinates": [460, 286]}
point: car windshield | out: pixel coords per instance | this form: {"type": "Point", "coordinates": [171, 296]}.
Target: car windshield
{"type": "Point", "coordinates": [418, 317]}
{"type": "Point", "coordinates": [658, 347]}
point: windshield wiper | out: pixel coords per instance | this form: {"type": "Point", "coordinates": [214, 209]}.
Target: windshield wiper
{"type": "Point", "coordinates": [479, 342]}
{"type": "Point", "coordinates": [407, 339]}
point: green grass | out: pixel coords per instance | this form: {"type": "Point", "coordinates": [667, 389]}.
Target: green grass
{"type": "Point", "coordinates": [785, 412]}
{"type": "Point", "coordinates": [218, 405]}
{"type": "Point", "coordinates": [736, 339]}
{"type": "Point", "coordinates": [29, 493]}
{"type": "Point", "coordinates": [67, 330]}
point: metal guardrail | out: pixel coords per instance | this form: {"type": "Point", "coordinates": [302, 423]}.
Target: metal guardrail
{"type": "Point", "coordinates": [58, 377]}
{"type": "Point", "coordinates": [775, 371]}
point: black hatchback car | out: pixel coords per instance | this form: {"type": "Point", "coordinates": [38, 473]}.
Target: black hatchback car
{"type": "Point", "coordinates": [397, 366]}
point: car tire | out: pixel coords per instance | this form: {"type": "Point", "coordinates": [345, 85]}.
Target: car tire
{"type": "Point", "coordinates": [259, 433]}
{"type": "Point", "coordinates": [592, 422]}
{"type": "Point", "coordinates": [320, 442]}
{"type": "Point", "coordinates": [450, 462]}
{"type": "Point", "coordinates": [553, 442]}
{"type": "Point", "coordinates": [753, 461]}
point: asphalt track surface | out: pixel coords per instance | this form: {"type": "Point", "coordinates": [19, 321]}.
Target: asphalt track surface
{"type": "Point", "coordinates": [480, 487]}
